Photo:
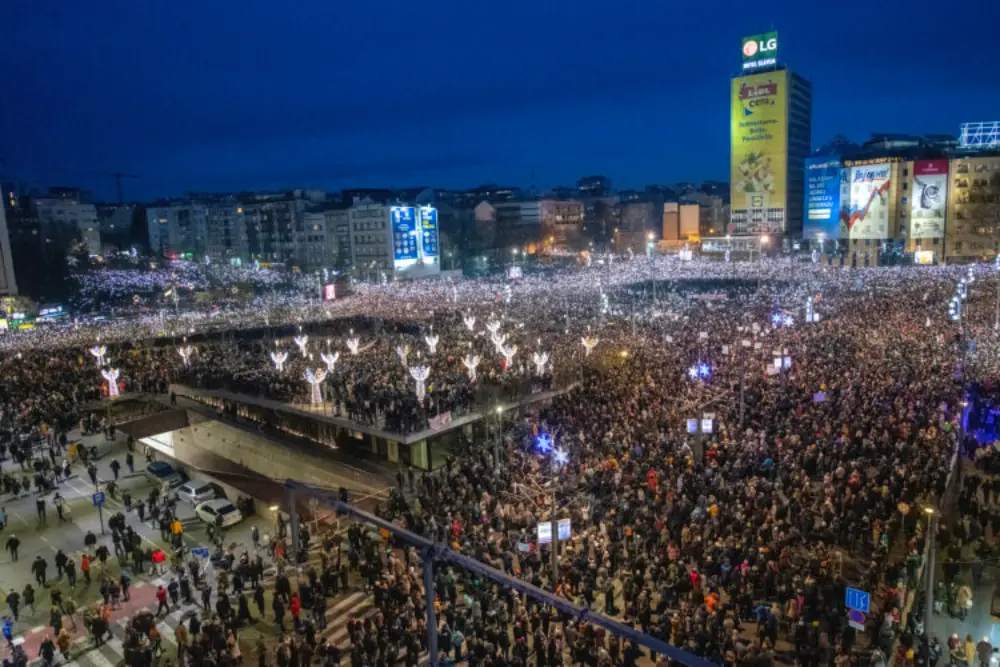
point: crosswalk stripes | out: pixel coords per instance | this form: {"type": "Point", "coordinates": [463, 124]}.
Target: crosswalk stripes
{"type": "Point", "coordinates": [112, 652]}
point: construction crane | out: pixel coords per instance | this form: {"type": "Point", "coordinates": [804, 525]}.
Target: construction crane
{"type": "Point", "coordinates": [118, 176]}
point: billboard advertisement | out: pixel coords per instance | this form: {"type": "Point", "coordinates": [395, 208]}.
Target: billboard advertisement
{"type": "Point", "coordinates": [429, 230]}
{"type": "Point", "coordinates": [759, 147]}
{"type": "Point", "coordinates": [868, 214]}
{"type": "Point", "coordinates": [329, 292]}
{"type": "Point", "coordinates": [404, 233]}
{"type": "Point", "coordinates": [760, 51]}
{"type": "Point", "coordinates": [930, 189]}
{"type": "Point", "coordinates": [823, 178]}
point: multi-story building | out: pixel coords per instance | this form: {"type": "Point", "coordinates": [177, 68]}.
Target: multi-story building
{"type": "Point", "coordinates": [771, 128]}
{"type": "Point", "coordinates": [972, 231]}
{"type": "Point", "coordinates": [371, 237]}
{"type": "Point", "coordinates": [226, 233]}
{"type": "Point", "coordinates": [713, 212]}
{"type": "Point", "coordinates": [394, 240]}
{"type": "Point", "coordinates": [311, 243]}
{"type": "Point", "coordinates": [58, 214]}
{"type": "Point", "coordinates": [8, 284]}
{"type": "Point", "coordinates": [275, 226]}
{"type": "Point", "coordinates": [594, 186]}
{"type": "Point", "coordinates": [338, 236]}
{"type": "Point", "coordinates": [115, 221]}
{"type": "Point", "coordinates": [557, 222]}
{"type": "Point", "coordinates": [177, 228]}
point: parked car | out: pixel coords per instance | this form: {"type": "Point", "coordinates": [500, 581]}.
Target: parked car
{"type": "Point", "coordinates": [159, 472]}
{"type": "Point", "coordinates": [195, 492]}
{"type": "Point", "coordinates": [208, 511]}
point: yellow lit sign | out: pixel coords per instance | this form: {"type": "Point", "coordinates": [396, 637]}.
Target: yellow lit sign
{"type": "Point", "coordinates": [759, 161]}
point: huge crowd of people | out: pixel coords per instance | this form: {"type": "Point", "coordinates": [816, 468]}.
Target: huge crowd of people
{"type": "Point", "coordinates": [799, 477]}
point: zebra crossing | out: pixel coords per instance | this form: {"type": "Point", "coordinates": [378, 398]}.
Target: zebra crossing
{"type": "Point", "coordinates": [112, 652]}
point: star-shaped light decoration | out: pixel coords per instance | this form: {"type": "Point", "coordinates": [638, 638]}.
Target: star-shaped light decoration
{"type": "Point", "coordinates": [560, 457]}
{"type": "Point", "coordinates": [703, 370]}
{"type": "Point", "coordinates": [544, 443]}
{"type": "Point", "coordinates": [693, 372]}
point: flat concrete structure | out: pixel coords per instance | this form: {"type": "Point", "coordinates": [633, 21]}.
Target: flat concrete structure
{"type": "Point", "coordinates": [318, 415]}
{"type": "Point", "coordinates": [424, 450]}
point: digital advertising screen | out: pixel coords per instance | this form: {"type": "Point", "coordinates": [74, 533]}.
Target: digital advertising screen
{"type": "Point", "coordinates": [329, 292]}
{"type": "Point", "coordinates": [429, 231]}
{"type": "Point", "coordinates": [928, 199]}
{"type": "Point", "coordinates": [823, 176]}
{"type": "Point", "coordinates": [404, 236]}
{"type": "Point", "coordinates": [868, 215]}
{"type": "Point", "coordinates": [759, 152]}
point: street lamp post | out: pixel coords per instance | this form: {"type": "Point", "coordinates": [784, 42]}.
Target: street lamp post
{"type": "Point", "coordinates": [744, 344]}
{"type": "Point", "coordinates": [652, 262]}
{"type": "Point", "coordinates": [932, 516]}
{"type": "Point", "coordinates": [996, 319]}
{"type": "Point", "coordinates": [496, 443]}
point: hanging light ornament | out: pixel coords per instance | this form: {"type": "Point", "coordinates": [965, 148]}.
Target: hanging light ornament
{"type": "Point", "coordinates": [315, 380]}
{"type": "Point", "coordinates": [330, 360]}
{"type": "Point", "coordinates": [111, 375]}
{"type": "Point", "coordinates": [279, 357]}
{"type": "Point", "coordinates": [470, 362]}
{"type": "Point", "coordinates": [540, 359]}
{"type": "Point", "coordinates": [302, 341]}
{"type": "Point", "coordinates": [420, 374]}
{"type": "Point", "coordinates": [99, 351]}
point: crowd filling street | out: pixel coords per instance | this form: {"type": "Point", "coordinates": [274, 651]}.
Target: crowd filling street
{"type": "Point", "coordinates": [734, 449]}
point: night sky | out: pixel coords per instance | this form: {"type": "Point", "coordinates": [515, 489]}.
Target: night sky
{"type": "Point", "coordinates": [254, 94]}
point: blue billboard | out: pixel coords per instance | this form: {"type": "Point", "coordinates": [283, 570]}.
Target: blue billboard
{"type": "Point", "coordinates": [404, 233]}
{"type": "Point", "coordinates": [823, 176]}
{"type": "Point", "coordinates": [429, 229]}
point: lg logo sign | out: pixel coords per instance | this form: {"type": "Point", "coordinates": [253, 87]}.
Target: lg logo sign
{"type": "Point", "coordinates": [754, 46]}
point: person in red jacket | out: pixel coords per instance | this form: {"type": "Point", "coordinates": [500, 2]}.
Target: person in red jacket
{"type": "Point", "coordinates": [296, 608]}
{"type": "Point", "coordinates": [161, 598]}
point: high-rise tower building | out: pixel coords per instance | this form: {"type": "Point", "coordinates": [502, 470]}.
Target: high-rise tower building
{"type": "Point", "coordinates": [771, 128]}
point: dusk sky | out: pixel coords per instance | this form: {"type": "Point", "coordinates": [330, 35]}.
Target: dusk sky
{"type": "Point", "coordinates": [215, 96]}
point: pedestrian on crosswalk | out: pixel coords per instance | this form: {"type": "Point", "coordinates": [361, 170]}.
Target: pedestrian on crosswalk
{"type": "Point", "coordinates": [12, 545]}
{"type": "Point", "coordinates": [40, 510]}
{"type": "Point", "coordinates": [85, 568]}
{"type": "Point", "coordinates": [277, 606]}
{"type": "Point", "coordinates": [28, 596]}
{"type": "Point", "coordinates": [185, 588]}
{"type": "Point", "coordinates": [63, 641]}
{"type": "Point", "coordinates": [60, 504]}
{"type": "Point", "coordinates": [47, 652]}
{"type": "Point", "coordinates": [70, 611]}
{"type": "Point", "coordinates": [55, 619]}
{"type": "Point", "coordinates": [161, 599]}
{"type": "Point", "coordinates": [258, 598]}
{"type": "Point", "coordinates": [206, 597]}
{"type": "Point", "coordinates": [39, 568]}
{"type": "Point", "coordinates": [243, 610]}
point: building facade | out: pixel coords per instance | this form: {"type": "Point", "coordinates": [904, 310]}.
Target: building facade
{"type": "Point", "coordinates": [59, 214]}
{"type": "Point", "coordinates": [8, 284]}
{"type": "Point", "coordinates": [177, 229]}
{"type": "Point", "coordinates": [973, 220]}
{"type": "Point", "coordinates": [771, 133]}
